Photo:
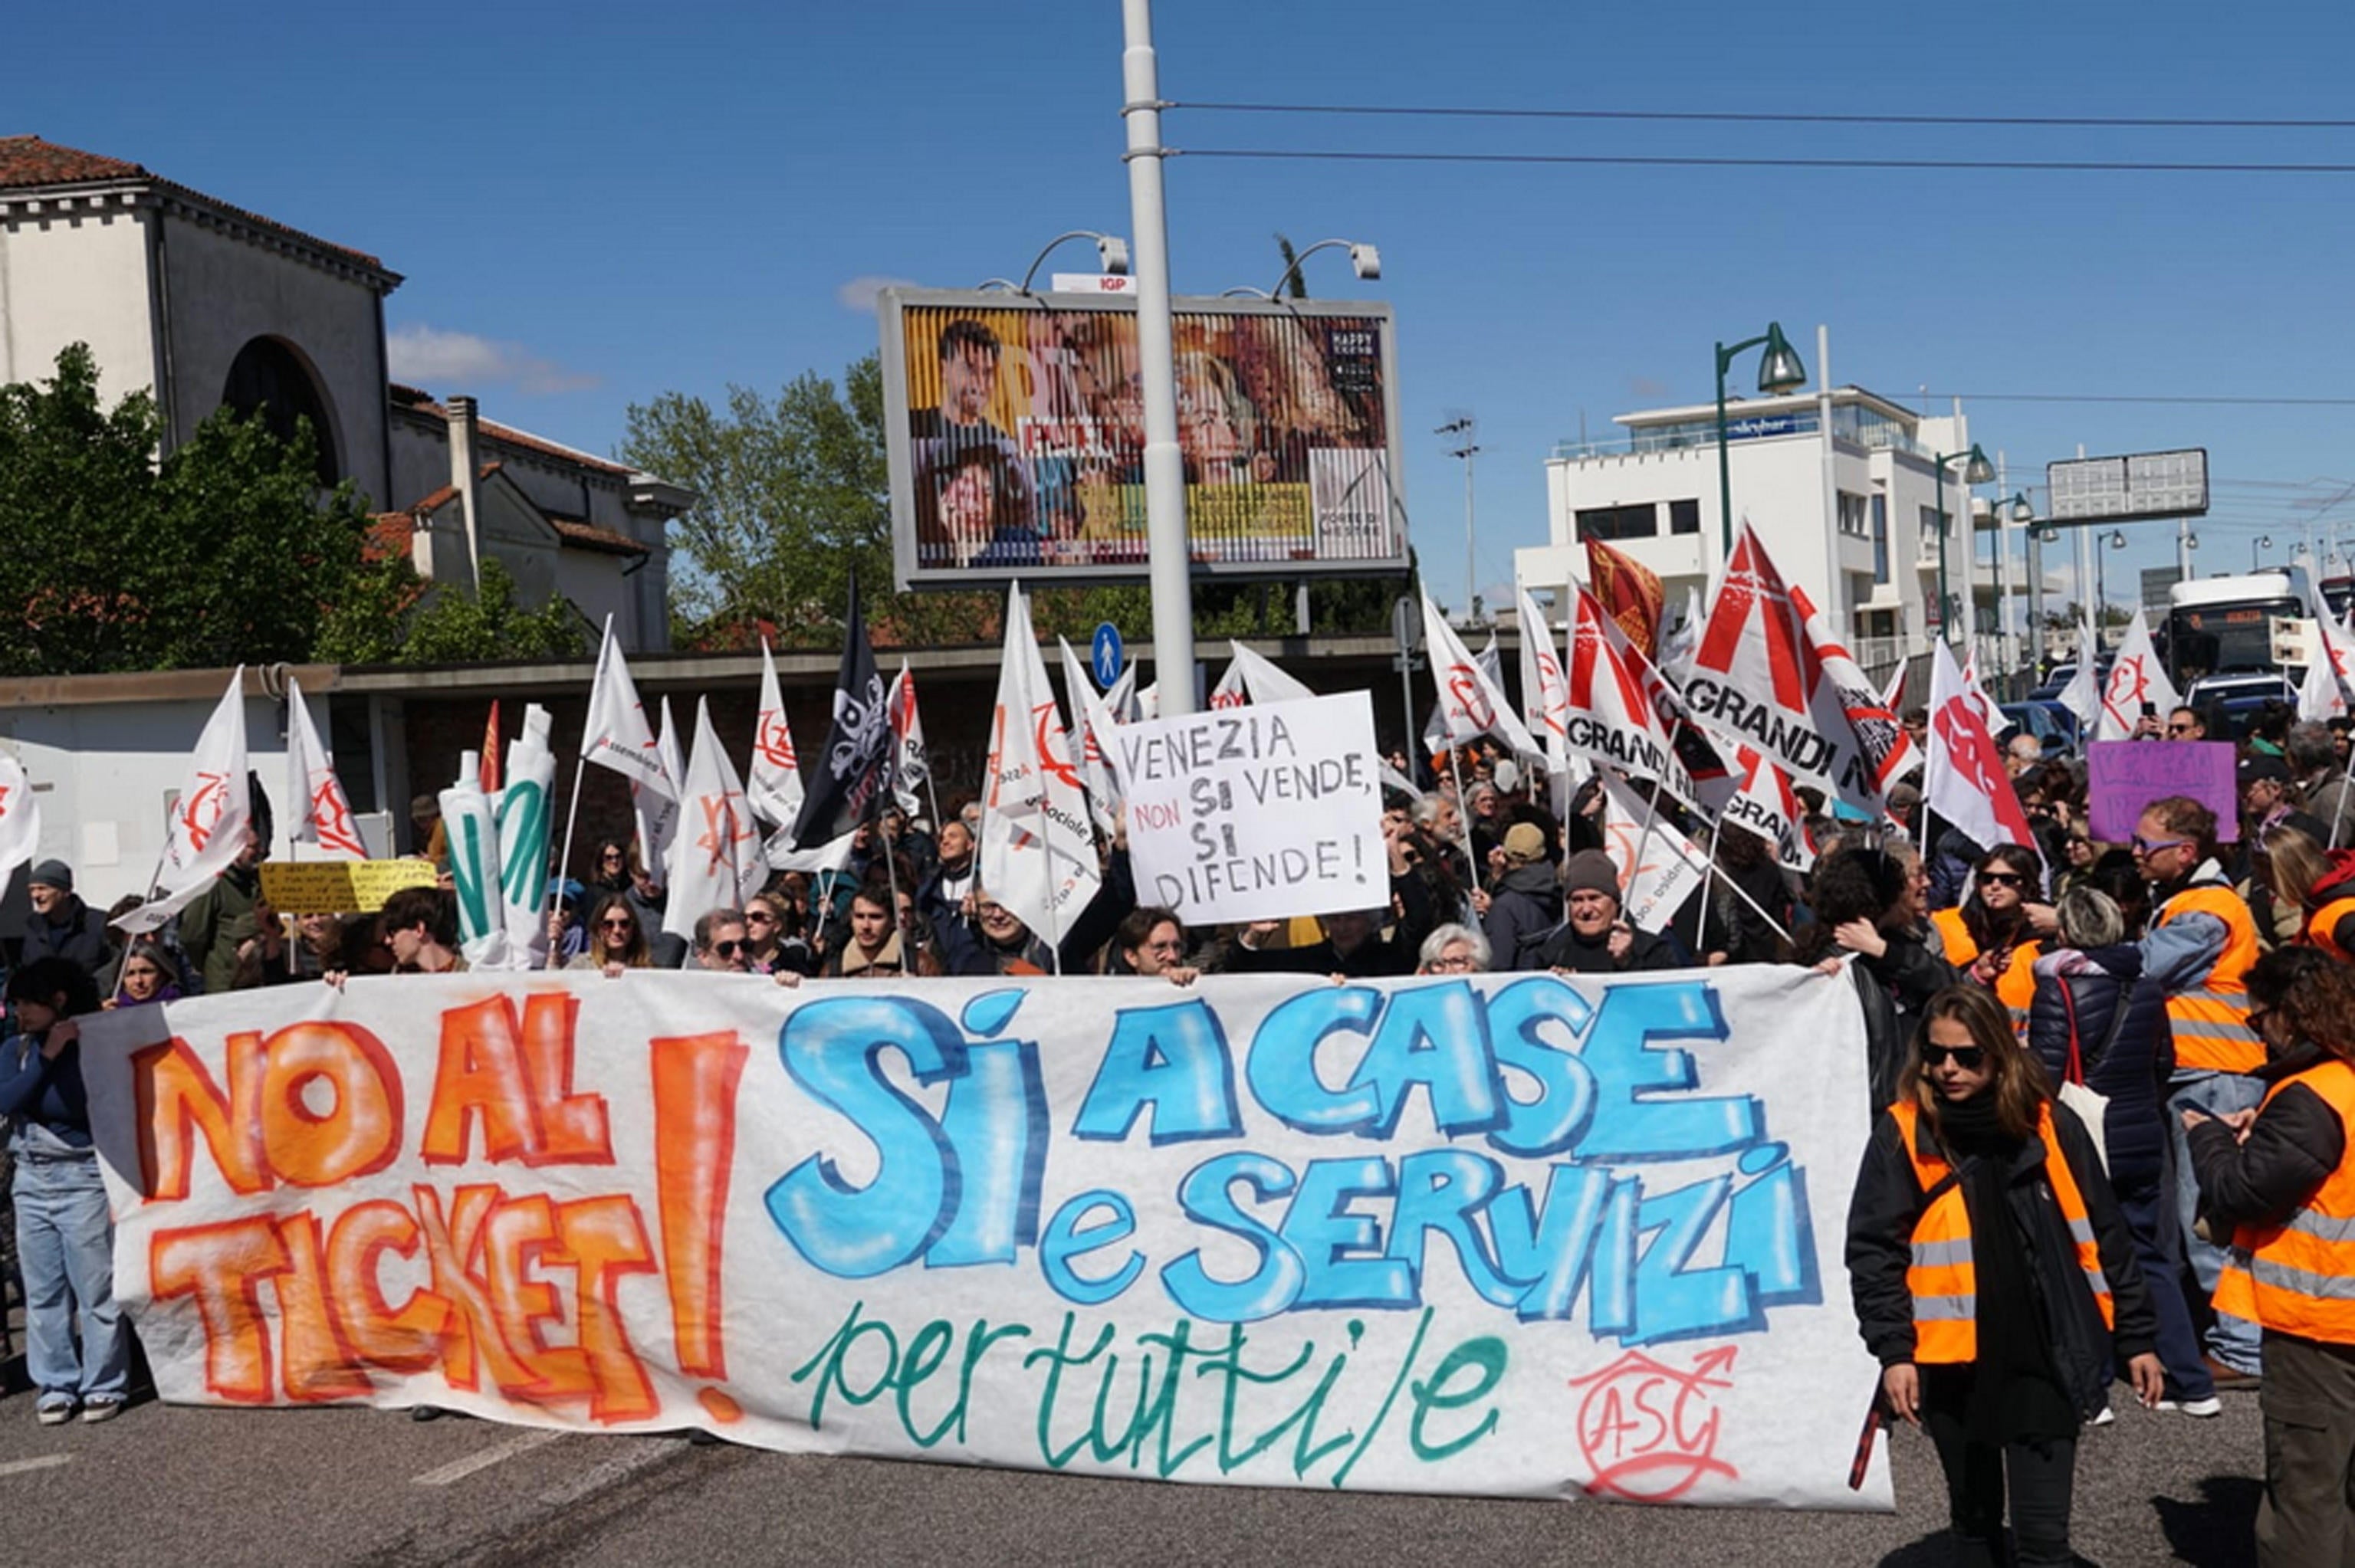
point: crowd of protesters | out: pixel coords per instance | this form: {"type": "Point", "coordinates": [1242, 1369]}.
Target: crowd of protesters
{"type": "Point", "coordinates": [2008, 1261]}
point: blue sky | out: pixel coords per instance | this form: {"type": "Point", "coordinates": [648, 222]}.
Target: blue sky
{"type": "Point", "coordinates": [595, 203]}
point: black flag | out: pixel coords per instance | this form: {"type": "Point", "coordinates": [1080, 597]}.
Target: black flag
{"type": "Point", "coordinates": [856, 766]}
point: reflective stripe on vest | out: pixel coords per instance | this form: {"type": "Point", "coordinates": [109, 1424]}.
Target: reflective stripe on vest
{"type": "Point", "coordinates": [2298, 1276]}
{"type": "Point", "coordinates": [2015, 987]}
{"type": "Point", "coordinates": [2211, 1021]}
{"type": "Point", "coordinates": [2319, 929]}
{"type": "Point", "coordinates": [1943, 1280]}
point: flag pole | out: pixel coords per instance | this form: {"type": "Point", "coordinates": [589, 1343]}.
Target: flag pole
{"type": "Point", "coordinates": [580, 771]}
{"type": "Point", "coordinates": [1744, 895]}
{"type": "Point", "coordinates": [1463, 819]}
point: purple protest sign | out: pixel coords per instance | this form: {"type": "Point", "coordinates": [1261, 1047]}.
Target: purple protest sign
{"type": "Point", "coordinates": [2124, 776]}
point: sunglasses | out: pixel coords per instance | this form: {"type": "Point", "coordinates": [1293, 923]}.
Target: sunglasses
{"type": "Point", "coordinates": [759, 917]}
{"type": "Point", "coordinates": [2001, 879]}
{"type": "Point", "coordinates": [1969, 1059]}
{"type": "Point", "coordinates": [726, 949]}
{"type": "Point", "coordinates": [616, 924]}
{"type": "Point", "coordinates": [2179, 728]}
{"type": "Point", "coordinates": [2152, 846]}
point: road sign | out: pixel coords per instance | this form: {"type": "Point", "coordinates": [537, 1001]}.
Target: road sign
{"type": "Point", "coordinates": [1406, 624]}
{"type": "Point", "coordinates": [1105, 655]}
{"type": "Point", "coordinates": [2125, 489]}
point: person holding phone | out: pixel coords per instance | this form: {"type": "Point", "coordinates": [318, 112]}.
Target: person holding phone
{"type": "Point", "coordinates": [1994, 1279]}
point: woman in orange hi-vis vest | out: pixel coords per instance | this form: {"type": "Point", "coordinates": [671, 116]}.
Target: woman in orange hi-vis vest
{"type": "Point", "coordinates": [2283, 1178]}
{"type": "Point", "coordinates": [1994, 1277]}
{"type": "Point", "coordinates": [1992, 938]}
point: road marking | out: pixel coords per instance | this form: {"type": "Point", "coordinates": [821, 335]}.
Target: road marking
{"type": "Point", "coordinates": [484, 1458]}
{"type": "Point", "coordinates": [641, 1453]}
{"type": "Point", "coordinates": [45, 1462]}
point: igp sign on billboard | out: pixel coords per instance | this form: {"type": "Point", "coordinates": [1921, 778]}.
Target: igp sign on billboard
{"type": "Point", "coordinates": [1016, 437]}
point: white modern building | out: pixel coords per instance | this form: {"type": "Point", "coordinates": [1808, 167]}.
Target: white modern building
{"type": "Point", "coordinates": [1840, 482]}
{"type": "Point", "coordinates": [206, 305]}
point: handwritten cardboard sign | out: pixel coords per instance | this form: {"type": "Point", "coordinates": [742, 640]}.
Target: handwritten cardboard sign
{"type": "Point", "coordinates": [1257, 812]}
{"type": "Point", "coordinates": [340, 887]}
{"type": "Point", "coordinates": [2124, 776]}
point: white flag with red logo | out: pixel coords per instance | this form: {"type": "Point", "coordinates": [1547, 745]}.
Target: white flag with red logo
{"type": "Point", "coordinates": [1089, 738]}
{"type": "Point", "coordinates": [211, 817]}
{"type": "Point", "coordinates": [1545, 689]}
{"type": "Point", "coordinates": [1908, 757]}
{"type": "Point", "coordinates": [1471, 704]}
{"type": "Point", "coordinates": [1037, 855]}
{"type": "Point", "coordinates": [1625, 713]}
{"type": "Point", "coordinates": [322, 811]}
{"type": "Point", "coordinates": [1231, 691]}
{"type": "Point", "coordinates": [20, 819]}
{"type": "Point", "coordinates": [910, 765]}
{"type": "Point", "coordinates": [773, 784]}
{"type": "Point", "coordinates": [2323, 696]}
{"type": "Point", "coordinates": [1967, 783]}
{"type": "Point", "coordinates": [1769, 673]}
{"type": "Point", "coordinates": [657, 812]}
{"type": "Point", "coordinates": [2082, 695]}
{"type": "Point", "coordinates": [618, 734]}
{"type": "Point", "coordinates": [1768, 805]}
{"type": "Point", "coordinates": [1659, 866]}
{"type": "Point", "coordinates": [715, 861]}
{"type": "Point", "coordinates": [2137, 679]}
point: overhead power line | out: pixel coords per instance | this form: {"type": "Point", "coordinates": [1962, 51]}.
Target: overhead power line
{"type": "Point", "coordinates": [2192, 398]}
{"type": "Point", "coordinates": [1726, 117]}
{"type": "Point", "coordinates": [2032, 165]}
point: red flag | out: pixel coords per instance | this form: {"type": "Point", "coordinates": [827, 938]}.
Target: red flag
{"type": "Point", "coordinates": [1631, 594]}
{"type": "Point", "coordinates": [491, 751]}
{"type": "Point", "coordinates": [1967, 784]}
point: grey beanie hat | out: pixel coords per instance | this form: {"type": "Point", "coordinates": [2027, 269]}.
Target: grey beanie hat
{"type": "Point", "coordinates": [54, 873]}
{"type": "Point", "coordinates": [1590, 870]}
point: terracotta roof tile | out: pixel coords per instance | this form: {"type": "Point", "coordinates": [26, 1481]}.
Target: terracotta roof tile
{"type": "Point", "coordinates": [590, 536]}
{"type": "Point", "coordinates": [28, 162]}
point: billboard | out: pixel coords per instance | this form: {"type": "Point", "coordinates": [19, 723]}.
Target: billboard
{"type": "Point", "coordinates": [1016, 437]}
{"type": "Point", "coordinates": [2128, 488]}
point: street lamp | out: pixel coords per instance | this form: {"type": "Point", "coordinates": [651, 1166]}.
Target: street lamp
{"type": "Point", "coordinates": [1112, 252]}
{"type": "Point", "coordinates": [1364, 258]}
{"type": "Point", "coordinates": [1779, 371]}
{"type": "Point", "coordinates": [2116, 541]}
{"type": "Point", "coordinates": [1976, 470]}
{"type": "Point", "coordinates": [2255, 545]}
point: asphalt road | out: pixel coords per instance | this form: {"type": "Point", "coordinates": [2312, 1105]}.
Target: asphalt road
{"type": "Point", "coordinates": [193, 1487]}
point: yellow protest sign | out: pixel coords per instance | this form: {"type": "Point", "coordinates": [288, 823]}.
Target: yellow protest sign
{"type": "Point", "coordinates": [340, 887]}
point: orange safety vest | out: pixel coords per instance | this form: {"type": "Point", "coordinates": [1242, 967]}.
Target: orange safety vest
{"type": "Point", "coordinates": [2326, 920]}
{"type": "Point", "coordinates": [2298, 1276]}
{"type": "Point", "coordinates": [1941, 1278]}
{"type": "Point", "coordinates": [2015, 987]}
{"type": "Point", "coordinates": [2211, 1020]}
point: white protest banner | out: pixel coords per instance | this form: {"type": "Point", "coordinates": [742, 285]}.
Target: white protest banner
{"type": "Point", "coordinates": [1659, 866]}
{"type": "Point", "coordinates": [1258, 812]}
{"type": "Point", "coordinates": [525, 817]}
{"type": "Point", "coordinates": [471, 833]}
{"type": "Point", "coordinates": [1512, 1235]}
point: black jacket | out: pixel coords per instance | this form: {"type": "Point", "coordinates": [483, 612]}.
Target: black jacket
{"type": "Point", "coordinates": [1565, 950]}
{"type": "Point", "coordinates": [2126, 1057]}
{"type": "Point", "coordinates": [81, 937]}
{"type": "Point", "coordinates": [1889, 1201]}
{"type": "Point", "coordinates": [2296, 1141]}
{"type": "Point", "coordinates": [1893, 988]}
{"type": "Point", "coordinates": [1525, 904]}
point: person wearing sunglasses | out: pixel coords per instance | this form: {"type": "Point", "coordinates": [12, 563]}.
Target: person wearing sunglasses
{"type": "Point", "coordinates": [1992, 937]}
{"type": "Point", "coordinates": [1993, 1277]}
{"type": "Point", "coordinates": [615, 940]}
{"type": "Point", "coordinates": [2201, 943]}
{"type": "Point", "coordinates": [2284, 1179]}
{"type": "Point", "coordinates": [719, 944]}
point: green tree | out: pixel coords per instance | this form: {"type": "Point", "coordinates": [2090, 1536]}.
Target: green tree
{"type": "Point", "coordinates": [394, 616]}
{"type": "Point", "coordinates": [222, 553]}
{"type": "Point", "coordinates": [794, 493]}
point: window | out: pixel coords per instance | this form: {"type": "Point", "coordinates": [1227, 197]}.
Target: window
{"type": "Point", "coordinates": [1881, 538]}
{"type": "Point", "coordinates": [1684, 516]}
{"type": "Point", "coordinates": [1851, 514]}
{"type": "Point", "coordinates": [1930, 528]}
{"type": "Point", "coordinates": [1609, 523]}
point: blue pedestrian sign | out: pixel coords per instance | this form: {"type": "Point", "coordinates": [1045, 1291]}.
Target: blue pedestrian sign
{"type": "Point", "coordinates": [1106, 656]}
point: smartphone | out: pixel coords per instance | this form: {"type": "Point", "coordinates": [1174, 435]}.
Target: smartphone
{"type": "Point", "coordinates": [2150, 710]}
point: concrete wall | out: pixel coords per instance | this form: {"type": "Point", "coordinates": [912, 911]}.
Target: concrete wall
{"type": "Point", "coordinates": [224, 291]}
{"type": "Point", "coordinates": [76, 273]}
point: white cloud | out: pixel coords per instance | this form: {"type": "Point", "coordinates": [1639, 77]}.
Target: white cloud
{"type": "Point", "coordinates": [460, 361]}
{"type": "Point", "coordinates": [859, 293]}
